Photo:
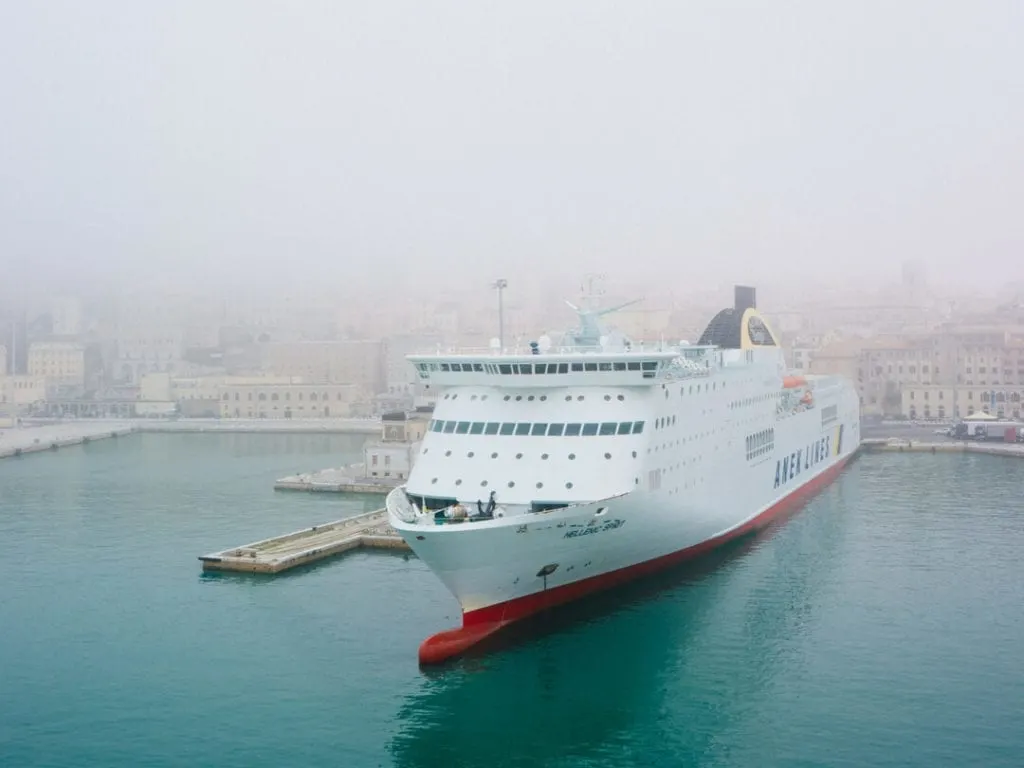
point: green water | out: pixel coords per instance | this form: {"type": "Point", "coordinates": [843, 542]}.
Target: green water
{"type": "Point", "coordinates": [881, 626]}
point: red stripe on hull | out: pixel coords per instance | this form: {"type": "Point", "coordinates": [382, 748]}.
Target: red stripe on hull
{"type": "Point", "coordinates": [483, 622]}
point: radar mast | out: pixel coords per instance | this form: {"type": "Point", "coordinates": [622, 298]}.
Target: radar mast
{"type": "Point", "coordinates": [590, 330]}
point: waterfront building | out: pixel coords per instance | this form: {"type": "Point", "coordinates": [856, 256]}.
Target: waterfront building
{"type": "Point", "coordinates": [23, 391]}
{"type": "Point", "coordinates": [272, 398]}
{"type": "Point", "coordinates": [393, 455]}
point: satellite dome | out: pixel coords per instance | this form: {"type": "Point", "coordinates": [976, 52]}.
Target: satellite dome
{"type": "Point", "coordinates": [495, 344]}
{"type": "Point", "coordinates": [544, 343]}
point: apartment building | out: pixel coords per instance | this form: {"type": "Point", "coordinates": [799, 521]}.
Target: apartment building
{"type": "Point", "coordinates": [62, 363]}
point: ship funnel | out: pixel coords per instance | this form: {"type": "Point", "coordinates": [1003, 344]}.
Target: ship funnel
{"type": "Point", "coordinates": [745, 297]}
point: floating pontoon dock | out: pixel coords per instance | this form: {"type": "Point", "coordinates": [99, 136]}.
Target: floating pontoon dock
{"type": "Point", "coordinates": [308, 545]}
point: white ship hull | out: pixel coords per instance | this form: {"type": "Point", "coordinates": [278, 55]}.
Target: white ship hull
{"type": "Point", "coordinates": [494, 569]}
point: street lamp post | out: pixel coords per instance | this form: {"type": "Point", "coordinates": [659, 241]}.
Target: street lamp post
{"type": "Point", "coordinates": [500, 285]}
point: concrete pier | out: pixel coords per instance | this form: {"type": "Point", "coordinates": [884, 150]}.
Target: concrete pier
{"type": "Point", "coordinates": [21, 440]}
{"type": "Point", "coordinates": [308, 545]}
{"type": "Point", "coordinates": [337, 480]}
{"type": "Point", "coordinates": [894, 445]}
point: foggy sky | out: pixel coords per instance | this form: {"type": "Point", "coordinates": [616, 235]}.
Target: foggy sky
{"type": "Point", "coordinates": [335, 142]}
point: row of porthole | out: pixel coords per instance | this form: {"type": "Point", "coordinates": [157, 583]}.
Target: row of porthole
{"type": "Point", "coordinates": [511, 483]}
{"type": "Point", "coordinates": [544, 456]}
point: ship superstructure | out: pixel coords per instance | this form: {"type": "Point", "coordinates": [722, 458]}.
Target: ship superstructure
{"type": "Point", "coordinates": [562, 469]}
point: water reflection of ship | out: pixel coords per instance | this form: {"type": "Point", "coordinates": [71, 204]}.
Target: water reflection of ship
{"type": "Point", "coordinates": [607, 672]}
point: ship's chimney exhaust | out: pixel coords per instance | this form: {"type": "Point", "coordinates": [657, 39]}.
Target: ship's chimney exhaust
{"type": "Point", "coordinates": [745, 298]}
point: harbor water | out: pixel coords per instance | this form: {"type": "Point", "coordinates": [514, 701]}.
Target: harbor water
{"type": "Point", "coordinates": [881, 625]}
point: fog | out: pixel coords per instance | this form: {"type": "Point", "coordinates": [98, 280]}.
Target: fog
{"type": "Point", "coordinates": [341, 145]}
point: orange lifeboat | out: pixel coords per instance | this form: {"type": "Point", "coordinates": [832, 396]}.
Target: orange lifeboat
{"type": "Point", "coordinates": [791, 382]}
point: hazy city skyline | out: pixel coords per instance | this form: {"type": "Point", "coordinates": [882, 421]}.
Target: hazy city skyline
{"type": "Point", "coordinates": [255, 145]}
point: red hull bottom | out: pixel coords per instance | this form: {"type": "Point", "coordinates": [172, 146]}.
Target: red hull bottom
{"type": "Point", "coordinates": [484, 622]}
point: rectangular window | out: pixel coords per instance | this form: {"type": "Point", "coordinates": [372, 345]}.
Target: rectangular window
{"type": "Point", "coordinates": [638, 427]}
{"type": "Point", "coordinates": [633, 366]}
{"type": "Point", "coordinates": [620, 366]}
{"type": "Point", "coordinates": [436, 426]}
{"type": "Point", "coordinates": [541, 367]}
{"type": "Point", "coordinates": [604, 366]}
{"type": "Point", "coordinates": [526, 368]}
{"type": "Point", "coordinates": [476, 428]}
{"type": "Point", "coordinates": [463, 428]}
{"type": "Point", "coordinates": [555, 430]}
{"type": "Point", "coordinates": [539, 429]}
{"type": "Point", "coordinates": [444, 367]}
{"type": "Point", "coordinates": [608, 428]}
{"type": "Point", "coordinates": [491, 428]}
{"type": "Point", "coordinates": [522, 428]}
{"type": "Point", "coordinates": [449, 427]}
{"type": "Point", "coordinates": [505, 368]}
{"type": "Point", "coordinates": [649, 365]}
{"type": "Point", "coordinates": [589, 429]}
{"type": "Point", "coordinates": [625, 427]}
{"type": "Point", "coordinates": [563, 367]}
{"type": "Point", "coordinates": [508, 428]}
{"type": "Point", "coordinates": [590, 367]}
{"type": "Point", "coordinates": [577, 367]}
{"type": "Point", "coordinates": [572, 430]}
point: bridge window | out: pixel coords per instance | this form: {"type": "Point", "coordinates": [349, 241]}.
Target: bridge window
{"type": "Point", "coordinates": [538, 429]}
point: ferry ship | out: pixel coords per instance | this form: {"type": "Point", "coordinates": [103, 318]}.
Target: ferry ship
{"type": "Point", "coordinates": [553, 472]}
